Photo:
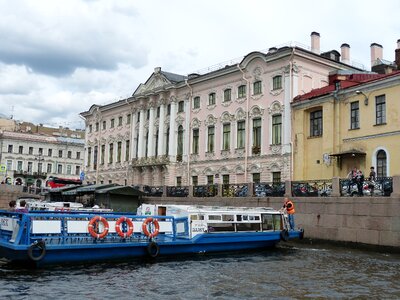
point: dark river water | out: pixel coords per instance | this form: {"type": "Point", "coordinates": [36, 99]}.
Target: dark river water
{"type": "Point", "coordinates": [292, 271]}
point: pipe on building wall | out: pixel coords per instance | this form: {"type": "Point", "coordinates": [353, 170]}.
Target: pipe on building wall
{"type": "Point", "coordinates": [247, 123]}
{"type": "Point", "coordinates": [291, 127]}
{"type": "Point", "coordinates": [189, 133]}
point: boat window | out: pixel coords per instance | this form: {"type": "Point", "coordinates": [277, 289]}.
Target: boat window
{"type": "Point", "coordinates": [245, 218]}
{"type": "Point", "coordinates": [239, 217]}
{"type": "Point", "coordinates": [228, 218]}
{"type": "Point", "coordinates": [214, 217]}
{"type": "Point", "coordinates": [193, 217]}
{"type": "Point", "coordinates": [267, 222]}
{"type": "Point", "coordinates": [218, 227]}
{"type": "Point", "coordinates": [201, 217]}
{"type": "Point", "coordinates": [248, 227]}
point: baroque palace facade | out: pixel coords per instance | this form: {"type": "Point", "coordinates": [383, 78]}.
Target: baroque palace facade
{"type": "Point", "coordinates": [229, 125]}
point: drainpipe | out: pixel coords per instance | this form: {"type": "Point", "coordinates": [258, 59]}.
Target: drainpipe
{"type": "Point", "coordinates": [189, 133]}
{"type": "Point", "coordinates": [130, 143]}
{"type": "Point", "coordinates": [247, 123]}
{"type": "Point", "coordinates": [291, 129]}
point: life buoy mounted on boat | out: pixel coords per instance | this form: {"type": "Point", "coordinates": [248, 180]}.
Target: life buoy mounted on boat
{"type": "Point", "coordinates": [93, 226]}
{"type": "Point", "coordinates": [151, 227]}
{"type": "Point", "coordinates": [38, 247]}
{"type": "Point", "coordinates": [119, 229]}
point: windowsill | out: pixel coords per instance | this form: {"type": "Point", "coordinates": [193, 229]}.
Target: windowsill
{"type": "Point", "coordinates": [354, 128]}
{"type": "Point", "coordinates": [315, 136]}
{"type": "Point", "coordinates": [380, 124]}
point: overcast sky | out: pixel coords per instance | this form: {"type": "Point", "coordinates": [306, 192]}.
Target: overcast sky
{"type": "Point", "coordinates": [57, 58]}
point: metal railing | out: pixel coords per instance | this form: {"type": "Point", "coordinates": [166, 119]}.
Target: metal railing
{"type": "Point", "coordinates": [269, 189]}
{"type": "Point", "coordinates": [177, 191]}
{"type": "Point", "coordinates": [382, 186]}
{"type": "Point", "coordinates": [209, 190]}
{"type": "Point", "coordinates": [235, 190]}
{"type": "Point", "coordinates": [312, 188]}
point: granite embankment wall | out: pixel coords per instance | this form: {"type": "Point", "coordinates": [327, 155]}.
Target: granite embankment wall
{"type": "Point", "coordinates": [366, 220]}
{"type": "Point", "coordinates": [11, 192]}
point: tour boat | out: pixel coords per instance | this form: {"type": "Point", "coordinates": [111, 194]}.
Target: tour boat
{"type": "Point", "coordinates": [58, 237]}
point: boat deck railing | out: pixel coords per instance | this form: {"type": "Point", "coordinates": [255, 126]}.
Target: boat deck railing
{"type": "Point", "coordinates": [73, 228]}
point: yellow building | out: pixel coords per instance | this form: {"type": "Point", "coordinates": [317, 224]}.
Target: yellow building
{"type": "Point", "coordinates": [352, 122]}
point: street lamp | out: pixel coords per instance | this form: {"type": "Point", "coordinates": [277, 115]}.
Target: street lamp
{"type": "Point", "coordinates": [366, 97]}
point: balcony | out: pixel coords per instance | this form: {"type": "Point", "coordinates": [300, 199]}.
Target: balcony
{"type": "Point", "coordinates": [26, 174]}
{"type": "Point", "coordinates": [150, 161]}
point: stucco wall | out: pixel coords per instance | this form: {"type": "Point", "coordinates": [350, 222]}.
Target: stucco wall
{"type": "Point", "coordinates": [367, 220]}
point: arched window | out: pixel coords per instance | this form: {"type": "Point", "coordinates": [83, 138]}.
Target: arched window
{"type": "Point", "coordinates": [381, 164]}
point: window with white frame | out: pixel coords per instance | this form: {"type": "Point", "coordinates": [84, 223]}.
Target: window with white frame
{"type": "Point", "coordinates": [241, 133]}
{"type": "Point", "coordinates": [210, 141]}
{"type": "Point", "coordinates": [276, 129]}
{"type": "Point", "coordinates": [226, 136]}
{"type": "Point", "coordinates": [354, 115]}
{"type": "Point", "coordinates": [257, 88]}
{"type": "Point", "coordinates": [242, 91]}
{"type": "Point", "coordinates": [380, 107]}
{"type": "Point", "coordinates": [196, 136]}
{"type": "Point", "coordinates": [316, 123]}
{"type": "Point", "coordinates": [211, 99]}
{"type": "Point", "coordinates": [277, 82]}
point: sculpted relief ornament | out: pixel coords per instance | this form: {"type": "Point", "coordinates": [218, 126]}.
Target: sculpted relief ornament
{"type": "Point", "coordinates": [256, 112]}
{"type": "Point", "coordinates": [210, 120]}
{"type": "Point", "coordinates": [196, 123]}
{"type": "Point", "coordinates": [276, 108]}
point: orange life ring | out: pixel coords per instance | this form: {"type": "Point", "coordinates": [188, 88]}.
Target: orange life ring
{"type": "Point", "coordinates": [155, 224]}
{"type": "Point", "coordinates": [92, 225]}
{"type": "Point", "coordinates": [128, 223]}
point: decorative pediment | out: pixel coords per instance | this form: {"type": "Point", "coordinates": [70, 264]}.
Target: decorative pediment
{"type": "Point", "coordinates": [240, 114]}
{"type": "Point", "coordinates": [256, 112]}
{"type": "Point", "coordinates": [226, 117]}
{"type": "Point", "coordinates": [211, 120]}
{"type": "Point", "coordinates": [275, 108]}
{"type": "Point", "coordinates": [239, 169]}
{"type": "Point", "coordinates": [196, 123]}
{"type": "Point", "coordinates": [156, 81]}
{"type": "Point", "coordinates": [179, 120]}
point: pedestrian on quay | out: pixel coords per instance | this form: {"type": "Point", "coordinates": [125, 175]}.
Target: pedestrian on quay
{"type": "Point", "coordinates": [12, 204]}
{"type": "Point", "coordinates": [289, 207]}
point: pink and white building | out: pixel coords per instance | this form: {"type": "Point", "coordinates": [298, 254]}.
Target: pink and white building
{"type": "Point", "coordinates": [228, 125]}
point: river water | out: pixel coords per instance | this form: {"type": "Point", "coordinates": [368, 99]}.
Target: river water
{"type": "Point", "coordinates": [291, 271]}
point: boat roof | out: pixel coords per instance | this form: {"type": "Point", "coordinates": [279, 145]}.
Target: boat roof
{"type": "Point", "coordinates": [218, 209]}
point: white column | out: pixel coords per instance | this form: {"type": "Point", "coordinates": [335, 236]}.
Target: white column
{"type": "Point", "coordinates": [141, 141]}
{"type": "Point", "coordinates": [186, 139]}
{"type": "Point", "coordinates": [161, 131]}
{"type": "Point", "coordinates": [172, 132]}
{"type": "Point", "coordinates": [150, 145]}
{"type": "Point", "coordinates": [133, 134]}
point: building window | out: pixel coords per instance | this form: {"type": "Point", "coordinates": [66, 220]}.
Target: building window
{"type": "Point", "coordinates": [120, 121]}
{"type": "Point", "coordinates": [10, 149]}
{"type": "Point", "coordinates": [380, 109]}
{"type": "Point", "coordinates": [225, 179]}
{"type": "Point", "coordinates": [111, 153]}
{"type": "Point", "coordinates": [21, 149]}
{"type": "Point", "coordinates": [227, 95]}
{"type": "Point", "coordinates": [210, 179]}
{"type": "Point", "coordinates": [381, 164]}
{"type": "Point", "coordinates": [77, 170]}
{"type": "Point", "coordinates": [167, 142]}
{"type": "Point", "coordinates": [127, 150]}
{"type": "Point", "coordinates": [95, 152]}
{"type": "Point", "coordinates": [181, 106]}
{"type": "Point", "coordinates": [69, 154]}
{"type": "Point", "coordinates": [355, 115]}
{"type": "Point", "coordinates": [158, 111]}
{"type": "Point", "coordinates": [60, 153]}
{"type": "Point", "coordinates": [226, 137]}
{"type": "Point", "coordinates": [156, 144]}
{"type": "Point", "coordinates": [196, 136]}
{"type": "Point", "coordinates": [257, 88]}
{"type": "Point", "coordinates": [49, 168]}
{"type": "Point", "coordinates": [30, 167]}
{"type": "Point", "coordinates": [211, 99]}
{"type": "Point", "coordinates": [148, 114]}
{"type": "Point", "coordinates": [104, 125]}
{"type": "Point", "coordinates": [39, 167]}
{"type": "Point", "coordinates": [19, 166]}
{"type": "Point", "coordinates": [241, 132]}
{"type": "Point", "coordinates": [256, 135]}
{"type": "Point", "coordinates": [210, 140]}
{"type": "Point", "coordinates": [178, 181]}
{"type": "Point", "coordinates": [128, 119]}
{"type": "Point", "coordinates": [97, 126]}
{"type": "Point", "coordinates": [180, 143]}
{"type": "Point", "coordinates": [196, 102]}
{"type": "Point", "coordinates": [9, 165]}
{"type": "Point", "coordinates": [69, 170]}
{"type": "Point", "coordinates": [40, 151]}
{"type": "Point", "coordinates": [90, 128]}
{"type": "Point", "coordinates": [146, 142]}
{"type": "Point", "coordinates": [89, 156]}
{"type": "Point", "coordinates": [277, 82]}
{"type": "Point", "coordinates": [256, 177]}
{"type": "Point", "coordinates": [242, 91]}
{"type": "Point", "coordinates": [59, 169]}
{"type": "Point", "coordinates": [119, 151]}
{"type": "Point", "coordinates": [102, 154]}
{"type": "Point", "coordinates": [138, 117]}
{"type": "Point", "coordinates": [316, 123]}
{"type": "Point", "coordinates": [276, 177]}
{"type": "Point", "coordinates": [276, 129]}
{"type": "Point", "coordinates": [112, 123]}
{"type": "Point", "coordinates": [50, 152]}
{"type": "Point", "coordinates": [30, 150]}
{"type": "Point", "coordinates": [195, 180]}
{"type": "Point", "coordinates": [168, 109]}
{"type": "Point", "coordinates": [78, 155]}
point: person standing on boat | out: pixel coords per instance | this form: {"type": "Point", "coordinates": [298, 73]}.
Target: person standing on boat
{"type": "Point", "coordinates": [22, 207]}
{"type": "Point", "coordinates": [12, 204]}
{"type": "Point", "coordinates": [289, 206]}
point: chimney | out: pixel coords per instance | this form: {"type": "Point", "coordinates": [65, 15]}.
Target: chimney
{"type": "Point", "coordinates": [397, 55]}
{"type": "Point", "coordinates": [345, 52]}
{"type": "Point", "coordinates": [315, 42]}
{"type": "Point", "coordinates": [376, 53]}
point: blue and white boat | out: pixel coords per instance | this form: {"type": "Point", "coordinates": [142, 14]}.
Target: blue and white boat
{"type": "Point", "coordinates": [54, 237]}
